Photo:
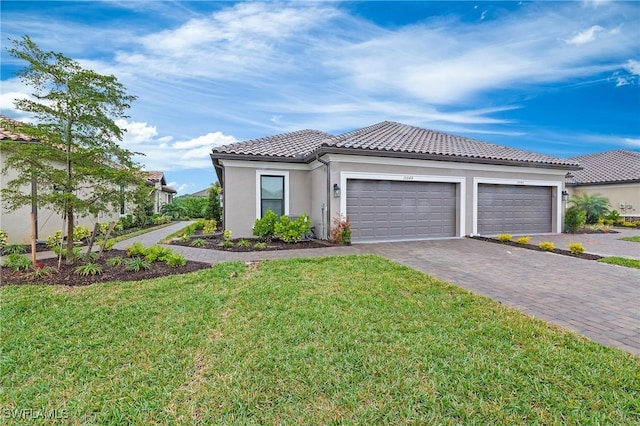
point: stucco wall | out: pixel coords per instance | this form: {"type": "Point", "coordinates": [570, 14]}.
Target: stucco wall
{"type": "Point", "coordinates": [619, 195]}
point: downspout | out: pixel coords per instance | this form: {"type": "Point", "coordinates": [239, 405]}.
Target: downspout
{"type": "Point", "coordinates": [328, 164]}
{"type": "Point", "coordinates": [224, 193]}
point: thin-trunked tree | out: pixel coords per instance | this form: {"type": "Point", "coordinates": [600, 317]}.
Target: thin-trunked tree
{"type": "Point", "coordinates": [74, 109]}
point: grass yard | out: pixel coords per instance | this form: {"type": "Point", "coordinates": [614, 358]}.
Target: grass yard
{"type": "Point", "coordinates": [635, 239]}
{"type": "Point", "coordinates": [354, 339]}
{"type": "Point", "coordinates": [621, 261]}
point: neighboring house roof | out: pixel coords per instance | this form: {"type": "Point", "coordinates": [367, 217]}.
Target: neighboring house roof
{"type": "Point", "coordinates": [154, 177]}
{"type": "Point", "coordinates": [201, 193]}
{"type": "Point", "coordinates": [607, 167]}
{"type": "Point", "coordinates": [387, 138]}
{"type": "Point", "coordinates": [7, 133]}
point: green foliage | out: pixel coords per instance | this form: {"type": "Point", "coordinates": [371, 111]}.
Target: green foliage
{"type": "Point", "coordinates": [594, 206]}
{"type": "Point", "coordinates": [214, 209]}
{"type": "Point", "coordinates": [198, 242]}
{"type": "Point", "coordinates": [576, 248]}
{"type": "Point", "coordinates": [265, 227]}
{"type": "Point", "coordinates": [4, 239]}
{"type": "Point", "coordinates": [504, 237]}
{"type": "Point", "coordinates": [341, 230]}
{"type": "Point", "coordinates": [260, 245]}
{"type": "Point", "coordinates": [75, 252]}
{"type": "Point", "coordinates": [75, 111]}
{"type": "Point", "coordinates": [292, 231]}
{"type": "Point", "coordinates": [137, 264]}
{"type": "Point", "coordinates": [136, 249]}
{"type": "Point", "coordinates": [547, 246]}
{"type": "Point", "coordinates": [574, 219]}
{"type": "Point", "coordinates": [15, 248]}
{"type": "Point", "coordinates": [89, 269]}
{"type": "Point", "coordinates": [54, 240]}
{"type": "Point", "coordinates": [209, 226]}
{"type": "Point", "coordinates": [156, 253]}
{"type": "Point", "coordinates": [81, 232]}
{"type": "Point", "coordinates": [88, 256]}
{"type": "Point", "coordinates": [176, 260]}
{"type": "Point", "coordinates": [227, 243]}
{"type": "Point", "coordinates": [613, 216]}
{"type": "Point", "coordinates": [523, 240]}
{"type": "Point", "coordinates": [41, 271]}
{"type": "Point", "coordinates": [226, 235]}
{"type": "Point", "coordinates": [16, 261]}
{"type": "Point", "coordinates": [161, 219]}
{"type": "Point", "coordinates": [187, 207]}
{"type": "Point", "coordinates": [244, 243]}
{"type": "Point", "coordinates": [115, 261]}
{"type": "Point", "coordinates": [621, 261]}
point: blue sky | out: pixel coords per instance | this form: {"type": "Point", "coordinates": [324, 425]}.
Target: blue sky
{"type": "Point", "coordinates": [559, 78]}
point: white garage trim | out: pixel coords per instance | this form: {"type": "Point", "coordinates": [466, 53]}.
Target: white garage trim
{"type": "Point", "coordinates": [496, 181]}
{"type": "Point", "coordinates": [344, 176]}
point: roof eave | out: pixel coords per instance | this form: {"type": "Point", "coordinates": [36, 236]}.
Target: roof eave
{"type": "Point", "coordinates": [609, 182]}
{"type": "Point", "coordinates": [217, 156]}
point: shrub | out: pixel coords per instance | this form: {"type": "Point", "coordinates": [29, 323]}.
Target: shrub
{"type": "Point", "coordinates": [209, 226]}
{"type": "Point", "coordinates": [574, 219]}
{"type": "Point", "coordinates": [292, 231]}
{"type": "Point", "coordinates": [265, 227]}
{"type": "Point", "coordinates": [88, 256]}
{"type": "Point", "coordinates": [115, 261]}
{"type": "Point", "coordinates": [17, 261]}
{"type": "Point", "coordinates": [244, 243]}
{"type": "Point", "coordinates": [227, 243]}
{"type": "Point", "coordinates": [137, 264]}
{"type": "Point", "coordinates": [42, 271]}
{"type": "Point", "coordinates": [89, 269]}
{"type": "Point", "coordinates": [341, 230]}
{"type": "Point", "coordinates": [176, 260]}
{"type": "Point", "coordinates": [523, 240]}
{"type": "Point", "coordinates": [54, 240]}
{"type": "Point", "coordinates": [576, 248]}
{"type": "Point", "coordinates": [127, 222]}
{"type": "Point", "coordinates": [15, 248]}
{"type": "Point", "coordinates": [156, 253]}
{"type": "Point", "coordinates": [160, 219]}
{"type": "Point", "coordinates": [226, 235]}
{"type": "Point", "coordinates": [612, 216]}
{"type": "Point", "coordinates": [547, 246]}
{"type": "Point", "coordinates": [184, 238]}
{"type": "Point", "coordinates": [4, 239]}
{"type": "Point", "coordinates": [595, 206]}
{"type": "Point", "coordinates": [75, 253]}
{"type": "Point", "coordinates": [81, 233]}
{"type": "Point", "coordinates": [199, 242]}
{"type": "Point", "coordinates": [136, 249]}
{"type": "Point", "coordinates": [260, 245]}
{"type": "Point", "coordinates": [504, 237]}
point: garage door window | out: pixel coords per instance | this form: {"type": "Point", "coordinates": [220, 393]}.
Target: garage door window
{"type": "Point", "coordinates": [271, 194]}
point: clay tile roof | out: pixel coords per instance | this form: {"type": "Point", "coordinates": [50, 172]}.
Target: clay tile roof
{"type": "Point", "coordinates": [153, 176]}
{"type": "Point", "coordinates": [7, 133]}
{"type": "Point", "coordinates": [288, 145]}
{"type": "Point", "coordinates": [401, 138]}
{"type": "Point", "coordinates": [166, 188]}
{"type": "Point", "coordinates": [607, 167]}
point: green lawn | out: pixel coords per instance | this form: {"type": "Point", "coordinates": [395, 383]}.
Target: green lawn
{"type": "Point", "coordinates": [635, 238]}
{"type": "Point", "coordinates": [355, 339]}
{"type": "Point", "coordinates": [621, 261]}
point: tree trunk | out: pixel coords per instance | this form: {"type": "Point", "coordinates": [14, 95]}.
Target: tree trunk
{"type": "Point", "coordinates": [70, 236]}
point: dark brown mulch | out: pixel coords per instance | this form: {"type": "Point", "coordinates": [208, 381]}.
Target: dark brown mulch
{"type": "Point", "coordinates": [67, 276]}
{"type": "Point", "coordinates": [215, 243]}
{"type": "Point", "coordinates": [586, 256]}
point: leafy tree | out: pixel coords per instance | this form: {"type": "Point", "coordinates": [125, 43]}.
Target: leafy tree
{"type": "Point", "coordinates": [214, 209]}
{"type": "Point", "coordinates": [574, 219]}
{"type": "Point", "coordinates": [594, 206]}
{"type": "Point", "coordinates": [75, 111]}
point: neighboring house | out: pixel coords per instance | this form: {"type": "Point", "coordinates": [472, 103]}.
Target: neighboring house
{"type": "Point", "coordinates": [161, 194]}
{"type": "Point", "coordinates": [17, 223]}
{"type": "Point", "coordinates": [201, 193]}
{"type": "Point", "coordinates": [614, 175]}
{"type": "Point", "coordinates": [393, 182]}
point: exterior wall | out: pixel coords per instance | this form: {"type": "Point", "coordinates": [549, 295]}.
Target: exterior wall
{"type": "Point", "coordinates": [160, 198]}
{"type": "Point", "coordinates": [17, 223]}
{"type": "Point", "coordinates": [241, 193]}
{"type": "Point", "coordinates": [308, 186]}
{"type": "Point", "coordinates": [619, 195]}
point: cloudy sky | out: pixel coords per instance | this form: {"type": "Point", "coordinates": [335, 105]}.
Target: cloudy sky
{"type": "Point", "coordinates": [560, 78]}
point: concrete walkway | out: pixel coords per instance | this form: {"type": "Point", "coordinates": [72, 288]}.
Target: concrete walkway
{"type": "Point", "coordinates": [597, 300]}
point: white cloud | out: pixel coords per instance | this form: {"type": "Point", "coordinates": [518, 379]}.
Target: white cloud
{"type": "Point", "coordinates": [136, 132]}
{"type": "Point", "coordinates": [585, 36]}
{"type": "Point", "coordinates": [635, 143]}
{"type": "Point", "coordinates": [633, 66]}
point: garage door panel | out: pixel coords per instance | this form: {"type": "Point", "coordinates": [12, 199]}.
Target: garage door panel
{"type": "Point", "coordinates": [401, 210]}
{"type": "Point", "coordinates": [514, 209]}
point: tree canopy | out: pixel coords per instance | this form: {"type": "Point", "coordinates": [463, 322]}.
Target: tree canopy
{"type": "Point", "coordinates": [74, 110]}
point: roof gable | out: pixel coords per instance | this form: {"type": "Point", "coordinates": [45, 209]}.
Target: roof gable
{"type": "Point", "coordinates": [297, 144]}
{"type": "Point", "coordinates": [607, 167]}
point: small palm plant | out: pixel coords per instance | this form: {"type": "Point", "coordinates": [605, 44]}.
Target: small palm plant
{"type": "Point", "coordinates": [595, 206]}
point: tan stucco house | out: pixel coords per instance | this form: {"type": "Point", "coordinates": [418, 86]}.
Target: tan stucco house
{"type": "Point", "coordinates": [161, 194]}
{"type": "Point", "coordinates": [614, 175]}
{"type": "Point", "coordinates": [393, 182]}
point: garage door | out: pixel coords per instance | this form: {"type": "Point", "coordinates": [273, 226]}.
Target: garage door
{"type": "Point", "coordinates": [514, 209]}
{"type": "Point", "coordinates": [398, 210]}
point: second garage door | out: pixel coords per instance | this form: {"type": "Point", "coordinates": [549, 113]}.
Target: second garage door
{"type": "Point", "coordinates": [399, 210]}
{"type": "Point", "coordinates": [514, 209]}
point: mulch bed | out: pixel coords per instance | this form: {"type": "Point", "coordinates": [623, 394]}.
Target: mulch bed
{"type": "Point", "coordinates": [586, 256]}
{"type": "Point", "coordinates": [214, 242]}
{"type": "Point", "coordinates": [67, 276]}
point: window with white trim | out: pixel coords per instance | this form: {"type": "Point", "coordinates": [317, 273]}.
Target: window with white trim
{"type": "Point", "coordinates": [272, 189]}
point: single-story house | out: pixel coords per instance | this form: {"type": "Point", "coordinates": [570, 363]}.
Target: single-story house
{"type": "Point", "coordinates": [614, 175]}
{"type": "Point", "coordinates": [393, 182]}
{"type": "Point", "coordinates": [161, 194]}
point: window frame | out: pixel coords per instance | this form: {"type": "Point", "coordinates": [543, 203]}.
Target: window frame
{"type": "Point", "coordinates": [274, 173]}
